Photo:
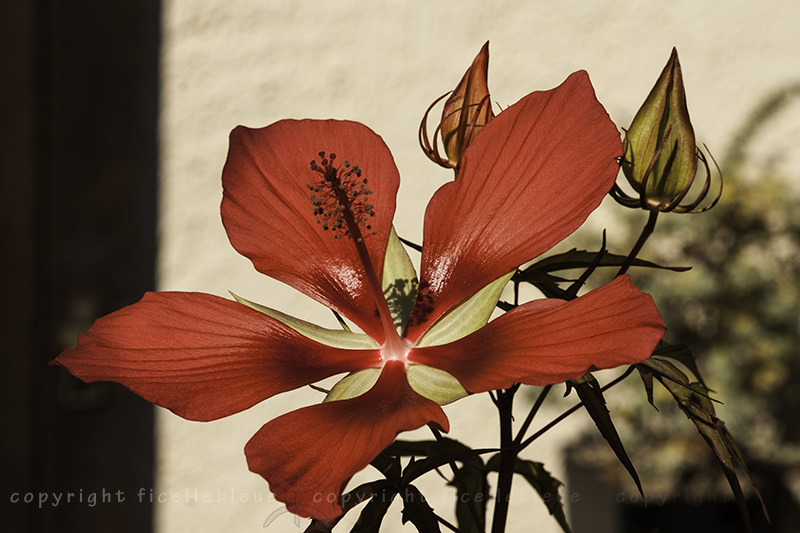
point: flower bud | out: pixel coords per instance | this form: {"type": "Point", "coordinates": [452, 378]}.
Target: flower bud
{"type": "Point", "coordinates": [661, 156]}
{"type": "Point", "coordinates": [466, 110]}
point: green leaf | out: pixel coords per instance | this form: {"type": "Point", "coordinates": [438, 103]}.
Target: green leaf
{"type": "Point", "coordinates": [591, 395]}
{"type": "Point", "coordinates": [469, 316]}
{"type": "Point", "coordinates": [338, 338]}
{"type": "Point", "coordinates": [417, 511]}
{"type": "Point", "coordinates": [681, 353]}
{"type": "Point", "coordinates": [542, 482]}
{"type": "Point", "coordinates": [399, 281]}
{"type": "Point", "coordinates": [694, 400]}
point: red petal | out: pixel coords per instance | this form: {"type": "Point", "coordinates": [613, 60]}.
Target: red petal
{"type": "Point", "coordinates": [528, 180]}
{"type": "Point", "coordinates": [201, 356]}
{"type": "Point", "coordinates": [550, 341]}
{"type": "Point", "coordinates": [269, 217]}
{"type": "Point", "coordinates": [307, 456]}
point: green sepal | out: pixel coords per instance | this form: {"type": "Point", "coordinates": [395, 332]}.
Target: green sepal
{"type": "Point", "coordinates": [467, 317]}
{"type": "Point", "coordinates": [337, 338]}
{"type": "Point", "coordinates": [354, 384]}
{"type": "Point", "coordinates": [435, 384]}
{"type": "Point", "coordinates": [399, 282]}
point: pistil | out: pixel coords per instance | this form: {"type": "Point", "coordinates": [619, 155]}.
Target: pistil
{"type": "Point", "coordinates": [340, 201]}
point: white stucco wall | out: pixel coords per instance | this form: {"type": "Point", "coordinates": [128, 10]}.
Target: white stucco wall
{"type": "Point", "coordinates": [382, 62]}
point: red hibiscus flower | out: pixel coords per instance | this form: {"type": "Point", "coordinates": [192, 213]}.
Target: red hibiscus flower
{"type": "Point", "coordinates": [311, 203]}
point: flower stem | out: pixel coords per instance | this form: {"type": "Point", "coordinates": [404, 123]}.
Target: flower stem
{"type": "Point", "coordinates": [646, 232]}
{"type": "Point", "coordinates": [535, 409]}
{"type": "Point", "coordinates": [508, 457]}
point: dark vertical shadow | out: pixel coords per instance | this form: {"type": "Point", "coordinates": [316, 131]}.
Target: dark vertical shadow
{"type": "Point", "coordinates": [79, 168]}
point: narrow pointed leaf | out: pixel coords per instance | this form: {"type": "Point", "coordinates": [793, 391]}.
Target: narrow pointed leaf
{"type": "Point", "coordinates": [349, 500]}
{"type": "Point", "coordinates": [694, 400]}
{"type": "Point", "coordinates": [581, 259]}
{"type": "Point", "coordinates": [372, 515]}
{"type": "Point", "coordinates": [591, 395]}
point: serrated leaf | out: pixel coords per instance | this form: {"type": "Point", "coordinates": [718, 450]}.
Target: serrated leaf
{"type": "Point", "coordinates": [591, 395]}
{"type": "Point", "coordinates": [417, 511]}
{"type": "Point", "coordinates": [542, 482]}
{"type": "Point", "coordinates": [694, 400]}
{"type": "Point", "coordinates": [681, 353]}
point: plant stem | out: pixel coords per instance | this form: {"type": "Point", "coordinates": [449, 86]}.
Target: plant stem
{"type": "Point", "coordinates": [508, 457]}
{"type": "Point", "coordinates": [535, 409]}
{"type": "Point", "coordinates": [646, 232]}
{"type": "Point", "coordinates": [524, 444]}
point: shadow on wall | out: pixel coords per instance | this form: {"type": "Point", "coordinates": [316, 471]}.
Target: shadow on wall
{"type": "Point", "coordinates": [80, 146]}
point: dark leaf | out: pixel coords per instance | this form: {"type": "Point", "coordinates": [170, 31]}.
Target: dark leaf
{"type": "Point", "coordinates": [417, 511]}
{"type": "Point", "coordinates": [583, 259]}
{"type": "Point", "coordinates": [647, 378]}
{"type": "Point", "coordinates": [349, 500]}
{"type": "Point", "coordinates": [475, 495]}
{"type": "Point", "coordinates": [592, 397]}
{"type": "Point", "coordinates": [388, 465]}
{"type": "Point", "coordinates": [542, 482]}
{"type": "Point", "coordinates": [419, 468]}
{"type": "Point", "coordinates": [372, 515]}
{"type": "Point", "coordinates": [681, 353]}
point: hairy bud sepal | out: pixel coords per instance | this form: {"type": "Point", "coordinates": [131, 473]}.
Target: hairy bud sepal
{"type": "Point", "coordinates": [466, 110]}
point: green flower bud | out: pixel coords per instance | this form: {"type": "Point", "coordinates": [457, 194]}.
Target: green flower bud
{"type": "Point", "coordinates": [661, 156]}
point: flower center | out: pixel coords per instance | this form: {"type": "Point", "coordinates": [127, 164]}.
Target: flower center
{"type": "Point", "coordinates": [396, 351]}
{"type": "Point", "coordinates": [341, 198]}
